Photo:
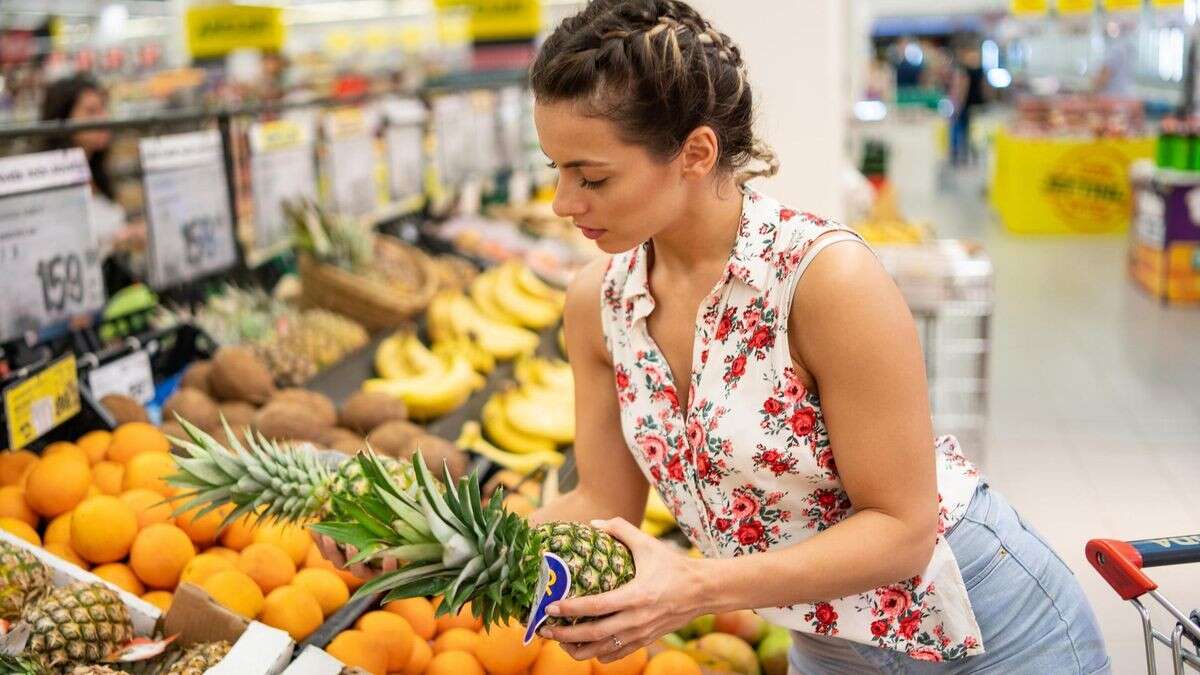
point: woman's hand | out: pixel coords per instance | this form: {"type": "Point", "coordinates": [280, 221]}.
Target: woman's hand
{"type": "Point", "coordinates": [665, 594]}
{"type": "Point", "coordinates": [338, 556]}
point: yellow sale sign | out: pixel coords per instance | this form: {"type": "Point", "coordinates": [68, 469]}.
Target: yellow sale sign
{"type": "Point", "coordinates": [1030, 7]}
{"type": "Point", "coordinates": [1075, 7]}
{"type": "Point", "coordinates": [216, 30]}
{"type": "Point", "coordinates": [35, 406]}
{"type": "Point", "coordinates": [500, 19]}
{"type": "Point", "coordinates": [1122, 5]}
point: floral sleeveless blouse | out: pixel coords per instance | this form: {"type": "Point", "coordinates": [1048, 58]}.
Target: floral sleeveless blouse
{"type": "Point", "coordinates": [748, 466]}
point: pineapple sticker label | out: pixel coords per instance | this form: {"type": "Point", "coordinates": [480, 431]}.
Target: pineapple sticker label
{"type": "Point", "coordinates": [554, 581]}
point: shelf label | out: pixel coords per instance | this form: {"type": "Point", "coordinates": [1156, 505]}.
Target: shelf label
{"type": "Point", "coordinates": [38, 404]}
{"type": "Point", "coordinates": [129, 375]}
{"type": "Point", "coordinates": [351, 150]}
{"type": "Point", "coordinates": [281, 168]}
{"type": "Point", "coordinates": [405, 139]}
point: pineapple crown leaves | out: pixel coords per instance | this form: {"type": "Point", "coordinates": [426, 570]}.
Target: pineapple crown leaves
{"type": "Point", "coordinates": [259, 477]}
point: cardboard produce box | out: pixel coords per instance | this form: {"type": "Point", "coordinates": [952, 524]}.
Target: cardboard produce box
{"type": "Point", "coordinates": [314, 661]}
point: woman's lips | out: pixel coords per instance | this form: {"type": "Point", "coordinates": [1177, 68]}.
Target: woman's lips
{"type": "Point", "coordinates": [590, 233]}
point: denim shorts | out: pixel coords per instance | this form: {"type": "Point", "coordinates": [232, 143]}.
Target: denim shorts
{"type": "Point", "coordinates": [1029, 606]}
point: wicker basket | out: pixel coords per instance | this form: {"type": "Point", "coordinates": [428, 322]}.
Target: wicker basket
{"type": "Point", "coordinates": [376, 304]}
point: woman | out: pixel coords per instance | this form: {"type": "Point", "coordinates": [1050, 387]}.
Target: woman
{"type": "Point", "coordinates": [758, 367]}
{"type": "Point", "coordinates": [80, 98]}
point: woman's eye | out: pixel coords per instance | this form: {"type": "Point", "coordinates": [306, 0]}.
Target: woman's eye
{"type": "Point", "coordinates": [591, 184]}
{"type": "Point", "coordinates": [551, 165]}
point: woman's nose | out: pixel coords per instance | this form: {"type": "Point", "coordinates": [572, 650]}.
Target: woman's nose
{"type": "Point", "coordinates": [567, 203]}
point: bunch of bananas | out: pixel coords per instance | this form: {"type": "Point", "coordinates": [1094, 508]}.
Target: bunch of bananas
{"type": "Point", "coordinates": [658, 519]}
{"type": "Point", "coordinates": [431, 382]}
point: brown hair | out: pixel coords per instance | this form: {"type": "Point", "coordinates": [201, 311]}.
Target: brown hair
{"type": "Point", "coordinates": [658, 70]}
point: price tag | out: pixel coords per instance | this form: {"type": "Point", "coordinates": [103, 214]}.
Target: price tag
{"type": "Point", "coordinates": [187, 200]}
{"type": "Point", "coordinates": [281, 168]}
{"type": "Point", "coordinates": [452, 118]}
{"type": "Point", "coordinates": [350, 152]}
{"type": "Point", "coordinates": [405, 138]}
{"type": "Point", "coordinates": [128, 376]}
{"type": "Point", "coordinates": [47, 251]}
{"type": "Point", "coordinates": [40, 403]}
{"type": "Point", "coordinates": [483, 154]}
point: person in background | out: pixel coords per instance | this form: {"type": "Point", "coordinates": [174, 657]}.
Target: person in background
{"type": "Point", "coordinates": [966, 93]}
{"type": "Point", "coordinates": [1116, 77]}
{"type": "Point", "coordinates": [77, 98]}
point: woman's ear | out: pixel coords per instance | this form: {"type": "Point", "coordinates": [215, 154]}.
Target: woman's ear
{"type": "Point", "coordinates": [700, 153]}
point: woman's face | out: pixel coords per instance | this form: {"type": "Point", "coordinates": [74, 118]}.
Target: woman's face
{"type": "Point", "coordinates": [91, 105]}
{"type": "Point", "coordinates": [618, 194]}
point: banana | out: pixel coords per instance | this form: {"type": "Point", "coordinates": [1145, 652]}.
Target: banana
{"type": "Point", "coordinates": [545, 374]}
{"type": "Point", "coordinates": [530, 284]}
{"type": "Point", "coordinates": [541, 412]}
{"type": "Point", "coordinates": [483, 292]}
{"type": "Point", "coordinates": [498, 428]}
{"type": "Point", "coordinates": [472, 439]}
{"type": "Point", "coordinates": [481, 360]}
{"type": "Point", "coordinates": [655, 528]}
{"type": "Point", "coordinates": [501, 340]}
{"type": "Point", "coordinates": [451, 352]}
{"type": "Point", "coordinates": [657, 511]}
{"type": "Point", "coordinates": [390, 360]}
{"type": "Point", "coordinates": [562, 342]}
{"type": "Point", "coordinates": [529, 310]}
{"type": "Point", "coordinates": [418, 355]}
{"type": "Point", "coordinates": [437, 317]}
{"type": "Point", "coordinates": [434, 392]}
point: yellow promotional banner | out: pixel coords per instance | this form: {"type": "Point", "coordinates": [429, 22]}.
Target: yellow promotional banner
{"type": "Point", "coordinates": [1122, 5]}
{"type": "Point", "coordinates": [1076, 7]}
{"type": "Point", "coordinates": [1027, 8]}
{"type": "Point", "coordinates": [42, 402]}
{"type": "Point", "coordinates": [1167, 4]}
{"type": "Point", "coordinates": [216, 30]}
{"type": "Point", "coordinates": [500, 19]}
{"type": "Point", "coordinates": [1060, 186]}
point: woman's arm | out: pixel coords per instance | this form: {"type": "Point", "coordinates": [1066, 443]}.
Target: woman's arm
{"type": "Point", "coordinates": [610, 483]}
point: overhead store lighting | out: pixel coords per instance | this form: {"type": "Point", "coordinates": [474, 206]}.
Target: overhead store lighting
{"type": "Point", "coordinates": [870, 111]}
{"type": "Point", "coordinates": [999, 78]}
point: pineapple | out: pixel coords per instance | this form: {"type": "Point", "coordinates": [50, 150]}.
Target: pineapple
{"type": "Point", "coordinates": [20, 665]}
{"type": "Point", "coordinates": [198, 658]}
{"type": "Point", "coordinates": [23, 579]}
{"type": "Point", "coordinates": [81, 622]}
{"type": "Point", "coordinates": [449, 542]}
{"type": "Point", "coordinates": [94, 669]}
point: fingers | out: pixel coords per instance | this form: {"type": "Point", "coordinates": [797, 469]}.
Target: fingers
{"type": "Point", "coordinates": [595, 631]}
{"type": "Point", "coordinates": [609, 648]}
{"type": "Point", "coordinates": [329, 549]}
{"type": "Point", "coordinates": [632, 536]}
{"type": "Point", "coordinates": [601, 604]}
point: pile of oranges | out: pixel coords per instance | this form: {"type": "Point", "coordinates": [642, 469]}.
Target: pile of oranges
{"type": "Point", "coordinates": [405, 638]}
{"type": "Point", "coordinates": [100, 503]}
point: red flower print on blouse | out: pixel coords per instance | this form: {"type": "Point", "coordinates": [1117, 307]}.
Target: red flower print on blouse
{"type": "Point", "coordinates": [696, 434]}
{"type": "Point", "coordinates": [927, 654]}
{"type": "Point", "coordinates": [793, 388]}
{"type": "Point", "coordinates": [774, 461]}
{"type": "Point", "coordinates": [723, 524]}
{"type": "Point", "coordinates": [824, 619]}
{"type": "Point", "coordinates": [669, 393]}
{"type": "Point", "coordinates": [802, 421]}
{"type": "Point", "coordinates": [749, 533]}
{"type": "Point", "coordinates": [762, 338]}
{"type": "Point", "coordinates": [703, 466]}
{"type": "Point", "coordinates": [909, 625]}
{"type": "Point", "coordinates": [772, 406]}
{"type": "Point", "coordinates": [744, 506]}
{"type": "Point", "coordinates": [675, 468]}
{"type": "Point", "coordinates": [786, 215]}
{"type": "Point", "coordinates": [879, 628]}
{"type": "Point", "coordinates": [892, 601]}
{"type": "Point", "coordinates": [726, 324]}
{"type": "Point", "coordinates": [654, 448]}
{"type": "Point", "coordinates": [622, 378]}
{"type": "Point", "coordinates": [737, 368]}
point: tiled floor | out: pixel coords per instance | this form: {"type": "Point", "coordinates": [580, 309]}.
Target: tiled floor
{"type": "Point", "coordinates": [1095, 402]}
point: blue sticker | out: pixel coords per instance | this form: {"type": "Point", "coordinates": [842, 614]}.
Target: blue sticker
{"type": "Point", "coordinates": [554, 581]}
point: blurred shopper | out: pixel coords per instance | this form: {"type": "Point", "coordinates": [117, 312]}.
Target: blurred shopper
{"type": "Point", "coordinates": [757, 367]}
{"type": "Point", "coordinates": [967, 93]}
{"type": "Point", "coordinates": [1117, 77]}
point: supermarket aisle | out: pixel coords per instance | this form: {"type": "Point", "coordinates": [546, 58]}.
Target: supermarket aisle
{"type": "Point", "coordinates": [1095, 401]}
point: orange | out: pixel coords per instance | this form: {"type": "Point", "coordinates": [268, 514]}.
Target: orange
{"type": "Point", "coordinates": [66, 448]}
{"type": "Point", "coordinates": [292, 609]}
{"type": "Point", "coordinates": [632, 664]}
{"type": "Point", "coordinates": [293, 539]}
{"type": "Point", "coordinates": [419, 614]}
{"type": "Point", "coordinates": [159, 554]}
{"type": "Point", "coordinates": [59, 530]}
{"type": "Point", "coordinates": [102, 529]}
{"type": "Point", "coordinates": [502, 652]}
{"type": "Point", "coordinates": [236, 592]}
{"type": "Point", "coordinates": [23, 481]}
{"type": "Point", "coordinates": [64, 551]}
{"type": "Point", "coordinates": [463, 619]}
{"type": "Point", "coordinates": [328, 589]}
{"type": "Point", "coordinates": [135, 438]}
{"type": "Point", "coordinates": [148, 470]}
{"type": "Point", "coordinates": [456, 639]}
{"type": "Point", "coordinates": [422, 654]}
{"type": "Point", "coordinates": [92, 491]}
{"type": "Point", "coordinates": [239, 534]}
{"type": "Point", "coordinates": [554, 660]}
{"type": "Point", "coordinates": [359, 649]}
{"type": "Point", "coordinates": [672, 662]}
{"type": "Point", "coordinates": [57, 483]}
{"type": "Point", "coordinates": [108, 476]}
{"type": "Point", "coordinates": [204, 566]}
{"type": "Point", "coordinates": [13, 464]}
{"type": "Point", "coordinates": [268, 565]}
{"type": "Point", "coordinates": [220, 552]}
{"type": "Point", "coordinates": [148, 506]}
{"type": "Point", "coordinates": [20, 529]}
{"type": "Point", "coordinates": [12, 505]}
{"type": "Point", "coordinates": [160, 599]}
{"type": "Point", "coordinates": [314, 560]}
{"type": "Point", "coordinates": [454, 663]}
{"type": "Point", "coordinates": [120, 576]}
{"type": "Point", "coordinates": [394, 631]}
{"type": "Point", "coordinates": [95, 444]}
{"type": "Point", "coordinates": [203, 530]}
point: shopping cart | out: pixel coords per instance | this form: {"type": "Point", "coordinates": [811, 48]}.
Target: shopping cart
{"type": "Point", "coordinates": [1121, 564]}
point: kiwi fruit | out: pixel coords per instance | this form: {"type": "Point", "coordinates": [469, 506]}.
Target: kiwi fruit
{"type": "Point", "coordinates": [196, 377]}
{"type": "Point", "coordinates": [394, 438]}
{"type": "Point", "coordinates": [436, 450]}
{"type": "Point", "coordinates": [124, 409]}
{"type": "Point", "coordinates": [366, 411]}
{"type": "Point", "coordinates": [194, 406]}
{"type": "Point", "coordinates": [287, 421]}
{"type": "Point", "coordinates": [343, 440]}
{"type": "Point", "coordinates": [318, 405]}
{"type": "Point", "coordinates": [238, 414]}
{"type": "Point", "coordinates": [238, 375]}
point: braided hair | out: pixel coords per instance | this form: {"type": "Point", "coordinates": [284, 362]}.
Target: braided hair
{"type": "Point", "coordinates": [658, 70]}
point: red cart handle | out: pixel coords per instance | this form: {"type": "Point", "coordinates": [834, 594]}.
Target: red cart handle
{"type": "Point", "coordinates": [1121, 566]}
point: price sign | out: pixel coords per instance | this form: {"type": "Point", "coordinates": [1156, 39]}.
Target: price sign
{"type": "Point", "coordinates": [405, 138]}
{"type": "Point", "coordinates": [1168, 4]}
{"type": "Point", "coordinates": [50, 262]}
{"type": "Point", "coordinates": [1076, 7]}
{"type": "Point", "coordinates": [452, 117]}
{"type": "Point", "coordinates": [41, 402]}
{"type": "Point", "coordinates": [128, 376]}
{"type": "Point", "coordinates": [1122, 5]}
{"type": "Point", "coordinates": [351, 169]}
{"type": "Point", "coordinates": [1028, 8]}
{"type": "Point", "coordinates": [484, 157]}
{"type": "Point", "coordinates": [187, 200]}
{"type": "Point", "coordinates": [499, 19]}
{"type": "Point", "coordinates": [281, 168]}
